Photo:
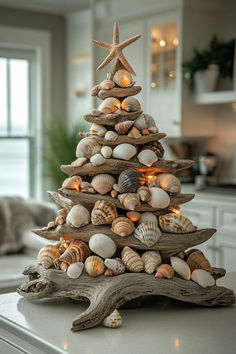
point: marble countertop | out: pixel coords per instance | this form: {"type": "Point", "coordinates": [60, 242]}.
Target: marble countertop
{"type": "Point", "coordinates": [161, 326]}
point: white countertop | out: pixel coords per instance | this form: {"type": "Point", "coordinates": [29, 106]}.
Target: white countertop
{"type": "Point", "coordinates": [162, 326]}
{"type": "Point", "coordinates": [209, 195]}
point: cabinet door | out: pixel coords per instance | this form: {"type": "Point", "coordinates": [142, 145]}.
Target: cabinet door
{"type": "Point", "coordinates": [226, 253]}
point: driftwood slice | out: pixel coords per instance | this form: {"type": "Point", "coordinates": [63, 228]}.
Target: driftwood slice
{"type": "Point", "coordinates": [115, 166]}
{"type": "Point", "coordinates": [144, 139]}
{"type": "Point", "coordinates": [119, 92]}
{"type": "Point", "coordinates": [121, 117]}
{"type": "Point", "coordinates": [107, 294]}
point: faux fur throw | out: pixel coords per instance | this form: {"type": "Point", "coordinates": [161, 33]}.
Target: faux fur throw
{"type": "Point", "coordinates": [18, 215]}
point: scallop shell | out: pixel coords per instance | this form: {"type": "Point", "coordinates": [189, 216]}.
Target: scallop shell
{"type": "Point", "coordinates": [47, 255]}
{"type": "Point", "coordinates": [129, 181]}
{"type": "Point", "coordinates": [97, 129]}
{"type": "Point", "coordinates": [102, 245]}
{"type": "Point", "coordinates": [159, 198]}
{"type": "Point", "coordinates": [132, 260]}
{"type": "Point", "coordinates": [129, 200]}
{"type": "Point", "coordinates": [73, 182]}
{"type": "Point", "coordinates": [151, 260]}
{"type": "Point", "coordinates": [148, 216]}
{"type": "Point", "coordinates": [77, 251]}
{"type": "Point", "coordinates": [116, 265]}
{"type": "Point", "coordinates": [147, 157]}
{"type": "Point", "coordinates": [175, 223]}
{"type": "Point", "coordinates": [122, 226]}
{"type": "Point", "coordinates": [202, 278]}
{"type": "Point", "coordinates": [169, 183]}
{"type": "Point", "coordinates": [123, 78]}
{"type": "Point", "coordinates": [111, 136]}
{"type": "Point", "coordinates": [103, 183]}
{"type": "Point", "coordinates": [133, 216]}
{"type": "Point", "coordinates": [148, 233]}
{"type": "Point", "coordinates": [164, 271]}
{"type": "Point", "coordinates": [144, 121]}
{"type": "Point", "coordinates": [97, 160]}
{"type": "Point", "coordinates": [94, 266]}
{"type": "Point", "coordinates": [130, 104]}
{"type": "Point", "coordinates": [114, 320]}
{"type": "Point", "coordinates": [197, 260]}
{"type": "Point", "coordinates": [87, 147]}
{"type": "Point", "coordinates": [79, 162]}
{"type": "Point", "coordinates": [124, 151]}
{"type": "Point", "coordinates": [134, 133]}
{"type": "Point", "coordinates": [106, 152]}
{"type": "Point", "coordinates": [75, 269]}
{"type": "Point", "coordinates": [106, 84]}
{"type": "Point", "coordinates": [78, 216]}
{"type": "Point", "coordinates": [144, 194]}
{"type": "Point", "coordinates": [103, 213]}
{"type": "Point", "coordinates": [109, 105]}
{"type": "Point", "coordinates": [123, 127]}
{"type": "Point", "coordinates": [181, 267]}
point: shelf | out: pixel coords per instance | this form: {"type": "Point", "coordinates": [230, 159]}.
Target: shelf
{"type": "Point", "coordinates": [217, 97]}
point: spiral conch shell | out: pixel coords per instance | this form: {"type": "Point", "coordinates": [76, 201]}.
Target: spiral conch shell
{"type": "Point", "coordinates": [97, 129]}
{"type": "Point", "coordinates": [151, 260]}
{"type": "Point", "coordinates": [175, 223]}
{"type": "Point", "coordinates": [164, 271]}
{"type": "Point", "coordinates": [131, 104]}
{"type": "Point", "coordinates": [77, 251]}
{"type": "Point", "coordinates": [132, 260]}
{"type": "Point", "coordinates": [148, 233]}
{"type": "Point", "coordinates": [103, 213]}
{"type": "Point", "coordinates": [47, 255]}
{"type": "Point", "coordinates": [94, 266]}
{"type": "Point", "coordinates": [122, 226]}
{"type": "Point", "coordinates": [116, 265]}
{"type": "Point", "coordinates": [197, 260]}
{"type": "Point", "coordinates": [109, 105]}
{"type": "Point", "coordinates": [73, 182]}
{"type": "Point", "coordinates": [103, 183]}
{"type": "Point", "coordinates": [114, 320]}
{"type": "Point", "coordinates": [123, 78]}
{"type": "Point", "coordinates": [169, 183]}
{"type": "Point", "coordinates": [129, 200]}
{"type": "Point", "coordinates": [180, 267]}
{"type": "Point", "coordinates": [124, 151]}
{"type": "Point", "coordinates": [123, 127]}
{"type": "Point", "coordinates": [87, 147]}
{"type": "Point", "coordinates": [78, 216]}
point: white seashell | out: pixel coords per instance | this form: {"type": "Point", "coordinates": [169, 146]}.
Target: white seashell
{"type": "Point", "coordinates": [148, 216]}
{"type": "Point", "coordinates": [102, 245]}
{"type": "Point", "coordinates": [116, 265]}
{"type": "Point", "coordinates": [94, 266]}
{"type": "Point", "coordinates": [103, 183]}
{"type": "Point", "coordinates": [144, 121]}
{"type": "Point", "coordinates": [151, 260]}
{"type": "Point", "coordinates": [97, 129]}
{"type": "Point", "coordinates": [124, 151]}
{"type": "Point", "coordinates": [78, 216]}
{"type": "Point", "coordinates": [106, 84]}
{"type": "Point", "coordinates": [147, 157]}
{"type": "Point", "coordinates": [87, 147]}
{"type": "Point", "coordinates": [97, 160]}
{"type": "Point", "coordinates": [202, 278]}
{"type": "Point", "coordinates": [148, 233]}
{"type": "Point", "coordinates": [79, 162]}
{"type": "Point", "coordinates": [111, 136]}
{"type": "Point", "coordinates": [123, 78]}
{"type": "Point", "coordinates": [73, 182]}
{"type": "Point", "coordinates": [109, 105]}
{"type": "Point", "coordinates": [176, 223]}
{"type": "Point", "coordinates": [144, 193]}
{"type": "Point", "coordinates": [169, 183]}
{"type": "Point", "coordinates": [129, 200]}
{"type": "Point", "coordinates": [114, 320]}
{"type": "Point", "coordinates": [106, 152]}
{"type": "Point", "coordinates": [75, 269]}
{"type": "Point", "coordinates": [130, 104]}
{"type": "Point", "coordinates": [153, 130]}
{"type": "Point", "coordinates": [180, 267]}
{"type": "Point", "coordinates": [159, 198]}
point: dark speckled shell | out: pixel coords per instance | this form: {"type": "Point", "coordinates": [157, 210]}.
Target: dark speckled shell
{"type": "Point", "coordinates": [130, 180]}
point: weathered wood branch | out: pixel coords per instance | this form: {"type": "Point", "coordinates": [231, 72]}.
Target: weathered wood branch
{"type": "Point", "coordinates": [119, 92]}
{"type": "Point", "coordinates": [63, 202]}
{"type": "Point", "coordinates": [144, 139]}
{"type": "Point", "coordinates": [121, 117]}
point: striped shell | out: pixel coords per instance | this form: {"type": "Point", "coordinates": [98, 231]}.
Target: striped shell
{"type": "Point", "coordinates": [197, 260]}
{"type": "Point", "coordinates": [77, 251]}
{"type": "Point", "coordinates": [132, 260]}
{"type": "Point", "coordinates": [154, 146]}
{"type": "Point", "coordinates": [122, 226]}
{"type": "Point", "coordinates": [73, 182]}
{"type": "Point", "coordinates": [134, 133]}
{"type": "Point", "coordinates": [123, 127]}
{"type": "Point", "coordinates": [114, 320]}
{"type": "Point", "coordinates": [147, 157]}
{"type": "Point", "coordinates": [78, 216]}
{"type": "Point", "coordinates": [151, 260]}
{"type": "Point", "coordinates": [159, 198]}
{"type": "Point", "coordinates": [109, 105]}
{"type": "Point", "coordinates": [111, 136]}
{"type": "Point", "coordinates": [164, 271]}
{"type": "Point", "coordinates": [175, 223]}
{"type": "Point", "coordinates": [97, 129]}
{"type": "Point", "coordinates": [116, 265]}
{"type": "Point", "coordinates": [87, 147]}
{"type": "Point", "coordinates": [148, 216]}
{"type": "Point", "coordinates": [106, 151]}
{"type": "Point", "coordinates": [202, 278]}
{"type": "Point", "coordinates": [94, 266]}
{"type": "Point", "coordinates": [169, 183]}
{"type": "Point", "coordinates": [131, 104]}
{"type": "Point", "coordinates": [130, 180]}
{"type": "Point", "coordinates": [124, 151]}
{"type": "Point", "coordinates": [103, 183]}
{"type": "Point", "coordinates": [129, 200]}
{"type": "Point", "coordinates": [148, 233]}
{"type": "Point", "coordinates": [123, 78]}
{"type": "Point", "coordinates": [103, 213]}
{"type": "Point", "coordinates": [180, 267]}
{"type": "Point", "coordinates": [47, 255]}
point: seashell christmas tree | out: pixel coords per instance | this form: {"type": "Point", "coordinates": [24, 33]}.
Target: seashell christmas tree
{"type": "Point", "coordinates": [120, 233]}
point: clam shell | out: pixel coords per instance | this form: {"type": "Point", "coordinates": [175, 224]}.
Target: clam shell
{"type": "Point", "coordinates": [148, 233]}
{"type": "Point", "coordinates": [116, 265]}
{"type": "Point", "coordinates": [97, 160]}
{"type": "Point", "coordinates": [97, 129]}
{"type": "Point", "coordinates": [151, 260]}
{"type": "Point", "coordinates": [148, 216]}
{"type": "Point", "coordinates": [103, 213]}
{"type": "Point", "coordinates": [102, 245]}
{"type": "Point", "coordinates": [132, 260]}
{"type": "Point", "coordinates": [169, 183]}
{"type": "Point", "coordinates": [109, 105]}
{"type": "Point", "coordinates": [114, 320]}
{"type": "Point", "coordinates": [122, 226]}
{"type": "Point", "coordinates": [123, 127]}
{"type": "Point", "coordinates": [129, 200]}
{"type": "Point", "coordinates": [202, 278]}
{"type": "Point", "coordinates": [73, 182]}
{"type": "Point", "coordinates": [164, 271]}
{"type": "Point", "coordinates": [175, 223]}
{"type": "Point", "coordinates": [133, 216]}
{"type": "Point", "coordinates": [123, 78]}
{"type": "Point", "coordinates": [106, 84]}
{"type": "Point", "coordinates": [156, 147]}
{"type": "Point", "coordinates": [47, 255]}
{"type": "Point", "coordinates": [94, 266]}
{"type": "Point", "coordinates": [75, 269]}
{"type": "Point", "coordinates": [144, 121]}
{"type": "Point", "coordinates": [147, 157]}
{"type": "Point", "coordinates": [87, 147]}
{"type": "Point", "coordinates": [159, 198]}
{"type": "Point", "coordinates": [106, 152]}
{"type": "Point", "coordinates": [144, 194]}
{"type": "Point", "coordinates": [77, 251]}
{"type": "Point", "coordinates": [197, 260]}
{"type": "Point", "coordinates": [130, 104]}
{"type": "Point", "coordinates": [129, 181]}
{"type": "Point", "coordinates": [180, 267]}
{"type": "Point", "coordinates": [103, 183]}
{"type": "Point", "coordinates": [134, 133]}
{"type": "Point", "coordinates": [111, 136]}
{"type": "Point", "coordinates": [78, 216]}
{"type": "Point", "coordinates": [124, 151]}
{"type": "Point", "coordinates": [79, 162]}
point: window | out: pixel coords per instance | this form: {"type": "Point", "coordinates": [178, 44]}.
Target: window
{"type": "Point", "coordinates": [17, 122]}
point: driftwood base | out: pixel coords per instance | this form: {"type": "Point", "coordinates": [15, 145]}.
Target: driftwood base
{"type": "Point", "coordinates": [106, 294]}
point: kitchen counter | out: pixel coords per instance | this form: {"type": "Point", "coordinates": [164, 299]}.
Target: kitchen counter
{"type": "Point", "coordinates": [208, 195]}
{"type": "Point", "coordinates": [161, 326]}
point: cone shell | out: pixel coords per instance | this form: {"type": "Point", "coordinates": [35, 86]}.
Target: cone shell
{"type": "Point", "coordinates": [106, 84]}
{"type": "Point", "coordinates": [102, 245]}
{"type": "Point", "coordinates": [147, 157]}
{"type": "Point", "coordinates": [103, 183]}
{"type": "Point", "coordinates": [132, 260]}
{"type": "Point", "coordinates": [94, 266]}
{"type": "Point", "coordinates": [123, 78]}
{"type": "Point", "coordinates": [97, 160]}
{"type": "Point", "coordinates": [151, 260]}
{"type": "Point", "coordinates": [164, 271]}
{"type": "Point", "coordinates": [148, 233]}
{"type": "Point", "coordinates": [144, 194]}
{"type": "Point", "coordinates": [133, 216]}
{"type": "Point", "coordinates": [134, 133]}
{"type": "Point", "coordinates": [197, 260]}
{"type": "Point", "coordinates": [75, 270]}
{"type": "Point", "coordinates": [124, 151]}
{"type": "Point", "coordinates": [97, 129]}
{"type": "Point", "coordinates": [109, 105]}
{"type": "Point", "coordinates": [116, 265]}
{"type": "Point", "coordinates": [87, 147]}
{"type": "Point", "coordinates": [148, 216]}
{"type": "Point", "coordinates": [175, 223]}
{"type": "Point", "coordinates": [129, 181]}
{"type": "Point", "coordinates": [131, 104]}
{"type": "Point", "coordinates": [180, 267]}
{"type": "Point", "coordinates": [122, 226]}
{"type": "Point", "coordinates": [47, 255]}
{"type": "Point", "coordinates": [77, 251]}
{"type": "Point", "coordinates": [78, 216]}
{"type": "Point", "coordinates": [129, 200]}
{"type": "Point", "coordinates": [106, 152]}
{"type": "Point", "coordinates": [159, 198]}
{"type": "Point", "coordinates": [169, 183]}
{"type": "Point", "coordinates": [202, 278]}
{"type": "Point", "coordinates": [73, 182]}
{"type": "Point", "coordinates": [111, 136]}
{"type": "Point", "coordinates": [123, 127]}
{"type": "Point", "coordinates": [103, 213]}
{"type": "Point", "coordinates": [114, 320]}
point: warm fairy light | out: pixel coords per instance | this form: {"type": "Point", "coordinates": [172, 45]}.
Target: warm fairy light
{"type": "Point", "coordinates": [176, 211]}
{"type": "Point", "coordinates": [172, 74]}
{"type": "Point", "coordinates": [162, 43]}
{"type": "Point", "coordinates": [64, 245]}
{"type": "Point", "coordinates": [150, 178]}
{"type": "Point", "coordinates": [125, 81]}
{"type": "Point", "coordinates": [153, 84]}
{"type": "Point", "coordinates": [76, 186]}
{"type": "Point", "coordinates": [177, 343]}
{"type": "Point", "coordinates": [176, 41]}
